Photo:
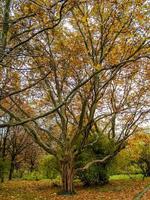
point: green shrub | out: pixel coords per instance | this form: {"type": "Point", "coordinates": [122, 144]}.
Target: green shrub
{"type": "Point", "coordinates": [97, 174]}
{"type": "Point", "coordinates": [48, 167]}
{"type": "Point", "coordinates": [4, 168]}
{"type": "Point", "coordinates": [35, 175]}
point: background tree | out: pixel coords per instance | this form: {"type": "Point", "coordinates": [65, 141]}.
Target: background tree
{"type": "Point", "coordinates": [31, 156]}
{"type": "Point", "coordinates": [18, 141]}
{"type": "Point", "coordinates": [139, 152]}
{"type": "Point", "coordinates": [143, 161]}
{"type": "Point", "coordinates": [4, 133]}
{"type": "Point", "coordinates": [133, 159]}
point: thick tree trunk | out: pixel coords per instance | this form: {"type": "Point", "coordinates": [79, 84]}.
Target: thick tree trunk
{"type": "Point", "coordinates": [67, 170]}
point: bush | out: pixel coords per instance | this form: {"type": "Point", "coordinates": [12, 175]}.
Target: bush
{"type": "Point", "coordinates": [48, 167]}
{"type": "Point", "coordinates": [97, 174]}
{"type": "Point", "coordinates": [35, 175]}
{"type": "Point", "coordinates": [4, 168]}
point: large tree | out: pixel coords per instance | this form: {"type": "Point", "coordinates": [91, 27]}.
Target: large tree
{"type": "Point", "coordinates": [75, 72]}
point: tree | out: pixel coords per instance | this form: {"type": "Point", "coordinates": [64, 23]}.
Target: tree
{"type": "Point", "coordinates": [31, 156]}
{"type": "Point", "coordinates": [144, 160]}
{"type": "Point", "coordinates": [134, 158]}
{"type": "Point", "coordinates": [4, 132]}
{"type": "Point", "coordinates": [63, 83]}
{"type": "Point", "coordinates": [140, 152]}
{"type": "Point", "coordinates": [18, 142]}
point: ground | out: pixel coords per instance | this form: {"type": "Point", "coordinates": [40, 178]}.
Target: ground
{"type": "Point", "coordinates": [42, 190]}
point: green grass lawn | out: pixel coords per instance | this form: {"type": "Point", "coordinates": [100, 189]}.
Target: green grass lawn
{"type": "Point", "coordinates": [126, 177]}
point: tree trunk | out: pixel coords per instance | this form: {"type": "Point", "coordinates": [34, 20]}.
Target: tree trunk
{"type": "Point", "coordinates": [1, 175]}
{"type": "Point", "coordinates": [4, 154]}
{"type": "Point", "coordinates": [2, 178]}
{"type": "Point", "coordinates": [67, 170]}
{"type": "Point", "coordinates": [11, 170]}
{"type": "Point", "coordinates": [148, 172]}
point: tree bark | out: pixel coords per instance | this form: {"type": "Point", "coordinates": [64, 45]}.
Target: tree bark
{"type": "Point", "coordinates": [2, 177]}
{"type": "Point", "coordinates": [148, 171]}
{"type": "Point", "coordinates": [11, 170]}
{"type": "Point", "coordinates": [67, 175]}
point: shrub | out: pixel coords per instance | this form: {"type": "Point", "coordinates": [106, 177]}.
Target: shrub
{"type": "Point", "coordinates": [35, 175]}
{"type": "Point", "coordinates": [4, 168]}
{"type": "Point", "coordinates": [48, 167]}
{"type": "Point", "coordinates": [97, 174]}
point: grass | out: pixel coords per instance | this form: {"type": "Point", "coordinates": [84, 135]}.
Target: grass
{"type": "Point", "coordinates": [117, 189]}
{"type": "Point", "coordinates": [126, 177]}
